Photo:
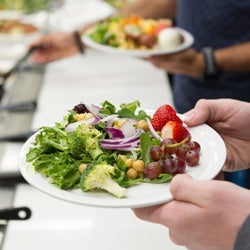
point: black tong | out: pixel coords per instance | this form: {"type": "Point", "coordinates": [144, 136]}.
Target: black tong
{"type": "Point", "coordinates": [19, 213]}
{"type": "Point", "coordinates": [7, 74]}
{"type": "Point", "coordinates": [19, 107]}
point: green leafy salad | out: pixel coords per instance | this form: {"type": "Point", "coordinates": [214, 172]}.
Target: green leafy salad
{"type": "Point", "coordinates": [97, 147]}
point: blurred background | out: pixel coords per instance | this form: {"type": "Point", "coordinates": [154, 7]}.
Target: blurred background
{"type": "Point", "coordinates": [37, 95]}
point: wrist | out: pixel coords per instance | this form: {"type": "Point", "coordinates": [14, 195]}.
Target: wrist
{"type": "Point", "coordinates": [80, 45]}
{"type": "Point", "coordinates": [211, 68]}
{"type": "Point", "coordinates": [200, 65]}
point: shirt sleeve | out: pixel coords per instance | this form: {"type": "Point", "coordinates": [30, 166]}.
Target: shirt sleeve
{"type": "Point", "coordinates": [242, 241]}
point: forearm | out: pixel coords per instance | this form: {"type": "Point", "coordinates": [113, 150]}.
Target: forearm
{"type": "Point", "coordinates": [230, 59]}
{"type": "Point", "coordinates": [234, 59]}
{"type": "Point", "coordinates": [152, 9]}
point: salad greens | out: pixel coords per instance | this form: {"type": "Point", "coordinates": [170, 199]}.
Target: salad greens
{"type": "Point", "coordinates": [27, 6]}
{"type": "Point", "coordinates": [83, 138]}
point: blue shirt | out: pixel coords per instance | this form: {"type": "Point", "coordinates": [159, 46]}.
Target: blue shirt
{"type": "Point", "coordinates": [218, 24]}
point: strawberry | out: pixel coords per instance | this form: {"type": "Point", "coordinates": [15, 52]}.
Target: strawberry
{"type": "Point", "coordinates": [160, 26]}
{"type": "Point", "coordinates": [176, 131]}
{"type": "Point", "coordinates": [162, 115]}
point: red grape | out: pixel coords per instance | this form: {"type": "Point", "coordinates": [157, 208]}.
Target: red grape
{"type": "Point", "coordinates": [192, 158]}
{"type": "Point", "coordinates": [168, 164]}
{"type": "Point", "coordinates": [180, 164]}
{"type": "Point", "coordinates": [182, 150]}
{"type": "Point", "coordinates": [156, 153]}
{"type": "Point", "coordinates": [167, 148]}
{"type": "Point", "coordinates": [152, 170]}
{"type": "Point", "coordinates": [194, 145]}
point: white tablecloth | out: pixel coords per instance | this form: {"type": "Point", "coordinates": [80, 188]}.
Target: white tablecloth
{"type": "Point", "coordinates": [96, 77]}
{"type": "Point", "coordinates": [92, 78]}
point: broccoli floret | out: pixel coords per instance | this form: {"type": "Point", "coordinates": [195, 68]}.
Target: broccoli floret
{"type": "Point", "coordinates": [98, 176]}
{"type": "Point", "coordinates": [84, 140]}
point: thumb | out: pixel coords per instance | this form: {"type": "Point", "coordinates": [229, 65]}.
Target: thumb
{"type": "Point", "coordinates": [184, 188]}
{"type": "Point", "coordinates": [199, 114]}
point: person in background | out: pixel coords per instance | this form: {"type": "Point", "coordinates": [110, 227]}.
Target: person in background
{"type": "Point", "coordinates": [213, 214]}
{"type": "Point", "coordinates": [217, 65]}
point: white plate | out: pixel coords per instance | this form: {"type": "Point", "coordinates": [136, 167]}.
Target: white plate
{"type": "Point", "coordinates": [75, 16]}
{"type": "Point", "coordinates": [187, 37]}
{"type": "Point", "coordinates": [12, 51]}
{"type": "Point", "coordinates": [17, 37]}
{"type": "Point", "coordinates": [213, 156]}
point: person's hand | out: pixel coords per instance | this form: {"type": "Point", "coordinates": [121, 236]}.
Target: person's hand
{"type": "Point", "coordinates": [57, 46]}
{"type": "Point", "coordinates": [231, 119]}
{"type": "Point", "coordinates": [203, 214]}
{"type": "Point", "coordinates": [188, 62]}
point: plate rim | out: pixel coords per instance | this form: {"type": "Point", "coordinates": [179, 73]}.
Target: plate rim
{"type": "Point", "coordinates": [107, 201]}
{"type": "Point", "coordinates": [188, 42]}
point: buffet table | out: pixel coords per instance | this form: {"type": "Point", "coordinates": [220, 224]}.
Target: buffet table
{"type": "Point", "coordinates": [58, 87]}
{"type": "Point", "coordinates": [56, 224]}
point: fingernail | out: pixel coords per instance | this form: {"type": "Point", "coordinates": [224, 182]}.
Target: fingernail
{"type": "Point", "coordinates": [189, 117]}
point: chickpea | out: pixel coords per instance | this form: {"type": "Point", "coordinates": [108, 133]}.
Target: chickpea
{"type": "Point", "coordinates": [143, 125]}
{"type": "Point", "coordinates": [88, 115]}
{"type": "Point", "coordinates": [138, 165]}
{"type": "Point", "coordinates": [129, 162]}
{"type": "Point", "coordinates": [122, 157]}
{"type": "Point", "coordinates": [82, 167]}
{"type": "Point", "coordinates": [140, 174]}
{"type": "Point", "coordinates": [79, 117]}
{"type": "Point", "coordinates": [132, 173]}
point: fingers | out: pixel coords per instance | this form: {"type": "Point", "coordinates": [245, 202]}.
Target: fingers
{"type": "Point", "coordinates": [211, 111]}
{"type": "Point", "coordinates": [150, 214]}
{"type": "Point", "coordinates": [199, 114]}
{"type": "Point", "coordinates": [185, 189]}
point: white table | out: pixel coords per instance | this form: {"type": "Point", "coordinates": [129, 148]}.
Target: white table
{"type": "Point", "coordinates": [56, 224]}
{"type": "Point", "coordinates": [96, 77]}
{"type": "Point", "coordinates": [92, 78]}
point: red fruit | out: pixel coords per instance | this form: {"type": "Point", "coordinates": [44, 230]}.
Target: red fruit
{"type": "Point", "coordinates": [162, 115]}
{"type": "Point", "coordinates": [176, 131]}
{"type": "Point", "coordinates": [160, 26]}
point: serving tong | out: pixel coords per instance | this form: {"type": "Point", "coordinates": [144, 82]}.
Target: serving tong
{"type": "Point", "coordinates": [19, 107]}
{"type": "Point", "coordinates": [18, 213]}
{"type": "Point", "coordinates": [4, 76]}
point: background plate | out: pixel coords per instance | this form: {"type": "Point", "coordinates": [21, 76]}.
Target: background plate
{"type": "Point", "coordinates": [187, 37]}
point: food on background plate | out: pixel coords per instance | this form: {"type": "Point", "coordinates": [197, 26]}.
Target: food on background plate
{"type": "Point", "coordinates": [26, 6]}
{"type": "Point", "coordinates": [169, 38]}
{"type": "Point", "coordinates": [101, 147]}
{"type": "Point", "coordinates": [15, 27]}
{"type": "Point", "coordinates": [135, 33]}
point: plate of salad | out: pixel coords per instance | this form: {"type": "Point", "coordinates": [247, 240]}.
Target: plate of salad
{"type": "Point", "coordinates": [137, 36]}
{"type": "Point", "coordinates": [118, 157]}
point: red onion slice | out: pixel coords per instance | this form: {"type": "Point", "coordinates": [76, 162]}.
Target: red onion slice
{"type": "Point", "coordinates": [135, 137]}
{"type": "Point", "coordinates": [115, 133]}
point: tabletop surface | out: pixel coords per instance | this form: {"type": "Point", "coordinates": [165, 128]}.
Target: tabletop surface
{"type": "Point", "coordinates": [55, 224]}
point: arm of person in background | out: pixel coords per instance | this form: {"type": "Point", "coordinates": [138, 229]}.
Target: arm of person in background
{"type": "Point", "coordinates": [191, 62]}
{"type": "Point", "coordinates": [152, 9]}
{"type": "Point", "coordinates": [57, 46]}
{"type": "Point", "coordinates": [209, 214]}
{"type": "Point", "coordinates": [64, 44]}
